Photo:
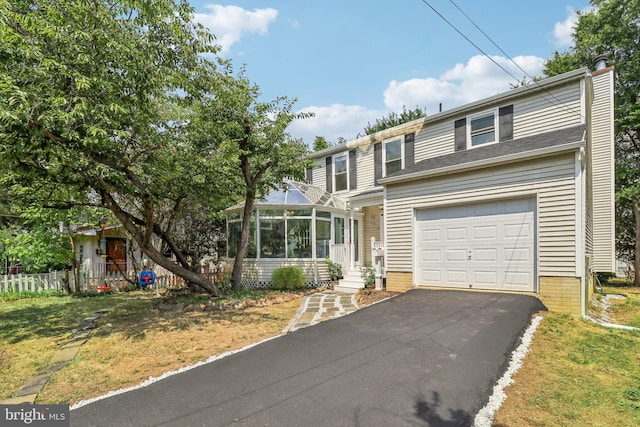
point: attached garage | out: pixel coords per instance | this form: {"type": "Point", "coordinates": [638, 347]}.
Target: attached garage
{"type": "Point", "coordinates": [489, 245]}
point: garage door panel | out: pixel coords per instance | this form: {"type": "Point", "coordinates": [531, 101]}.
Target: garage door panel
{"type": "Point", "coordinates": [518, 230]}
{"type": "Point", "coordinates": [485, 246]}
{"type": "Point", "coordinates": [488, 279]}
{"type": "Point", "coordinates": [433, 255]}
{"type": "Point", "coordinates": [518, 254]}
{"type": "Point", "coordinates": [433, 277]}
{"type": "Point", "coordinates": [430, 236]}
{"type": "Point", "coordinates": [518, 281]}
{"type": "Point", "coordinates": [486, 255]}
{"type": "Point", "coordinates": [455, 255]}
{"type": "Point", "coordinates": [485, 232]}
{"type": "Point", "coordinates": [457, 277]}
{"type": "Point", "coordinates": [458, 233]}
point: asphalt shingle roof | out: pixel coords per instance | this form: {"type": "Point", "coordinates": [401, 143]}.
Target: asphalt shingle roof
{"type": "Point", "coordinates": [495, 151]}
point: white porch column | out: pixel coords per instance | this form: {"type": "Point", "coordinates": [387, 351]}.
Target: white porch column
{"type": "Point", "coordinates": [352, 250]}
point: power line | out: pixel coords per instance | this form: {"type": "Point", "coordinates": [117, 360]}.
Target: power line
{"type": "Point", "coordinates": [490, 39]}
{"type": "Point", "coordinates": [468, 39]}
{"type": "Point", "coordinates": [559, 102]}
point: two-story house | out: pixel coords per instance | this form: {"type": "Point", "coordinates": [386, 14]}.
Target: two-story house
{"type": "Point", "coordinates": [510, 193]}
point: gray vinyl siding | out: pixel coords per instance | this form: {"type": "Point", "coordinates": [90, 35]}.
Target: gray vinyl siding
{"type": "Point", "coordinates": [548, 110]}
{"type": "Point", "coordinates": [540, 112]}
{"type": "Point", "coordinates": [365, 168]}
{"type": "Point", "coordinates": [318, 173]}
{"type": "Point", "coordinates": [434, 140]}
{"type": "Point", "coordinates": [602, 173]}
{"type": "Point", "coordinates": [551, 179]}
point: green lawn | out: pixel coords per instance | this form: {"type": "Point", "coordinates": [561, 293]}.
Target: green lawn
{"type": "Point", "coordinates": [579, 373]}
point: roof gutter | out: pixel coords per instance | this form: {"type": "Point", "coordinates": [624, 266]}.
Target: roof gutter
{"type": "Point", "coordinates": [542, 152]}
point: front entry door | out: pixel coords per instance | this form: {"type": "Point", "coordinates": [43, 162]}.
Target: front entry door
{"type": "Point", "coordinates": [116, 254]}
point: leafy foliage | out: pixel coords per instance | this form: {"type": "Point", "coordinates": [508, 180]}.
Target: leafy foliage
{"type": "Point", "coordinates": [253, 142]}
{"type": "Point", "coordinates": [335, 269]}
{"type": "Point", "coordinates": [612, 28]}
{"type": "Point", "coordinates": [125, 105]}
{"type": "Point", "coordinates": [394, 119]}
{"type": "Point", "coordinates": [288, 278]}
{"type": "Point", "coordinates": [369, 276]}
{"type": "Point", "coordinates": [320, 143]}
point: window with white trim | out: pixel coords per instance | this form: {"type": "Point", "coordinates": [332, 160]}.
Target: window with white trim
{"type": "Point", "coordinates": [340, 172]}
{"type": "Point", "coordinates": [393, 155]}
{"type": "Point", "coordinates": [482, 129]}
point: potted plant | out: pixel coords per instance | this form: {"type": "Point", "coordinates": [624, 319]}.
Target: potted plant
{"type": "Point", "coordinates": [335, 271]}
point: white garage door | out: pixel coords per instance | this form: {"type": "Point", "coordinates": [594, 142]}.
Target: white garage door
{"type": "Point", "coordinates": [480, 246]}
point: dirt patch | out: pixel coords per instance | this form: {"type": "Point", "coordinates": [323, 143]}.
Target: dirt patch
{"type": "Point", "coordinates": [367, 297]}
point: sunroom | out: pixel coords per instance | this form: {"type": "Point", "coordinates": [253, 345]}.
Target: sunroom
{"type": "Point", "coordinates": [298, 224]}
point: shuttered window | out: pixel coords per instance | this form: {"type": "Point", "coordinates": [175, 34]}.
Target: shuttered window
{"type": "Point", "coordinates": [377, 161]}
{"type": "Point", "coordinates": [341, 173]}
{"type": "Point", "coordinates": [484, 128]}
{"type": "Point", "coordinates": [506, 122]}
{"type": "Point", "coordinates": [329, 174]}
{"type": "Point", "coordinates": [353, 174]}
{"type": "Point", "coordinates": [409, 159]}
{"type": "Point", "coordinates": [460, 134]}
{"type": "Point", "coordinates": [392, 156]}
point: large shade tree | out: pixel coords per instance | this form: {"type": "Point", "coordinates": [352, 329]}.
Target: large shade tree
{"type": "Point", "coordinates": [254, 142]}
{"type": "Point", "coordinates": [612, 27]}
{"type": "Point", "coordinates": [96, 99]}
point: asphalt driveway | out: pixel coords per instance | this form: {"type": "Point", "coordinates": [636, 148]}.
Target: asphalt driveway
{"type": "Point", "coordinates": [426, 357]}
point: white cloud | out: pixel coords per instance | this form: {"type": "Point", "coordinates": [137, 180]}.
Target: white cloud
{"type": "Point", "coordinates": [333, 122]}
{"type": "Point", "coordinates": [230, 23]}
{"type": "Point", "coordinates": [563, 31]}
{"type": "Point", "coordinates": [478, 78]}
{"type": "Point", "coordinates": [464, 83]}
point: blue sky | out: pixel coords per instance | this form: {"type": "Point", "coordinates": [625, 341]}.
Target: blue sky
{"type": "Point", "coordinates": [353, 61]}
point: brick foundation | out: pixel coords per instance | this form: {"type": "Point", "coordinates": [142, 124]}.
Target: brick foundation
{"type": "Point", "coordinates": [399, 281]}
{"type": "Point", "coordinates": [561, 294]}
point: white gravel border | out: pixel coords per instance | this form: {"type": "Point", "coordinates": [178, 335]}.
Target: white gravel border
{"type": "Point", "coordinates": [484, 418]}
{"type": "Point", "coordinates": [152, 380]}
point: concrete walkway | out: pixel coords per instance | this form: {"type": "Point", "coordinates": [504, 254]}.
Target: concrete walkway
{"type": "Point", "coordinates": [322, 306]}
{"type": "Point", "coordinates": [34, 385]}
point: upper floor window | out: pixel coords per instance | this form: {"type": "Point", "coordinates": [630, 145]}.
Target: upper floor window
{"type": "Point", "coordinates": [341, 172]}
{"type": "Point", "coordinates": [393, 156]}
{"type": "Point", "coordinates": [482, 128]}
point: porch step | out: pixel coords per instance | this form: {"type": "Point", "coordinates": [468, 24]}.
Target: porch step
{"type": "Point", "coordinates": [351, 282]}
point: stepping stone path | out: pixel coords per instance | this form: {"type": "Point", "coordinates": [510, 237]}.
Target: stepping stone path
{"type": "Point", "coordinates": [322, 306]}
{"type": "Point", "coordinates": [34, 385]}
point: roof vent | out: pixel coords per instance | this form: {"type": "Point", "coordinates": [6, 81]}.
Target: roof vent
{"type": "Point", "coordinates": [601, 62]}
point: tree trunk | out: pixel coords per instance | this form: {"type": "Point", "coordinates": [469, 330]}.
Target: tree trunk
{"type": "Point", "coordinates": [243, 243]}
{"type": "Point", "coordinates": [156, 256]}
{"type": "Point", "coordinates": [636, 258]}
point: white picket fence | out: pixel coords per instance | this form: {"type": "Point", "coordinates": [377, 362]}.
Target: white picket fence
{"type": "Point", "coordinates": [116, 281]}
{"type": "Point", "coordinates": [89, 281]}
{"type": "Point", "coordinates": [32, 282]}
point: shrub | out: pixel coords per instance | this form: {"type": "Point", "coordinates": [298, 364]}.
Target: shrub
{"type": "Point", "coordinates": [368, 274]}
{"type": "Point", "coordinates": [603, 277]}
{"type": "Point", "coordinates": [288, 278]}
{"type": "Point", "coordinates": [335, 270]}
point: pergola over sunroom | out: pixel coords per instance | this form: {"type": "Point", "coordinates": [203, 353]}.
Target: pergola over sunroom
{"type": "Point", "coordinates": [298, 224]}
